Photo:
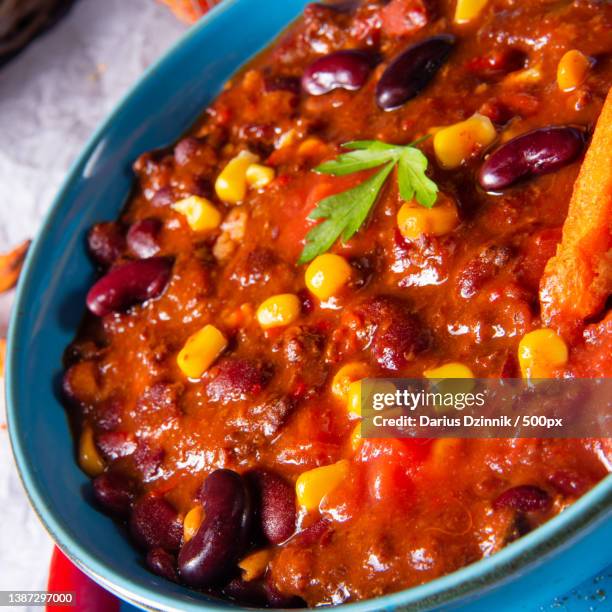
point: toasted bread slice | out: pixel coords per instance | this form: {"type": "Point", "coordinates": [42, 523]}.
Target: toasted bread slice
{"type": "Point", "coordinates": [578, 279]}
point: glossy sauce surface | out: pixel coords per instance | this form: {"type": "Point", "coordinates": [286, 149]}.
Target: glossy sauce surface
{"type": "Point", "coordinates": [406, 511]}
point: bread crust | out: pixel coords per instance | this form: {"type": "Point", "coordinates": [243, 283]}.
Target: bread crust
{"type": "Point", "coordinates": [578, 279]}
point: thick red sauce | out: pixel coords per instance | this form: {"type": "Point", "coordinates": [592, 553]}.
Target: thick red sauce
{"type": "Point", "coordinates": [406, 511]}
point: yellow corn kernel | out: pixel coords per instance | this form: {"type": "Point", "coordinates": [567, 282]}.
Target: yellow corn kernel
{"type": "Point", "coordinates": [254, 565]}
{"type": "Point", "coordinates": [540, 352]}
{"type": "Point", "coordinates": [467, 10]}
{"type": "Point", "coordinates": [193, 520]}
{"type": "Point", "coordinates": [356, 438]}
{"type": "Point", "coordinates": [200, 351]}
{"type": "Point", "coordinates": [458, 142]}
{"type": "Point", "coordinates": [327, 274]}
{"type": "Point", "coordinates": [258, 175]}
{"type": "Point", "coordinates": [231, 184]}
{"type": "Point", "coordinates": [90, 459]}
{"type": "Point", "coordinates": [312, 147]}
{"type": "Point", "coordinates": [414, 220]}
{"type": "Point", "coordinates": [449, 370]}
{"type": "Point", "coordinates": [572, 70]}
{"type": "Point", "coordinates": [312, 486]}
{"type": "Point", "coordinates": [347, 374]}
{"type": "Point", "coordinates": [443, 452]}
{"type": "Point", "coordinates": [353, 399]}
{"type": "Point", "coordinates": [279, 310]}
{"type": "Point", "coordinates": [199, 212]}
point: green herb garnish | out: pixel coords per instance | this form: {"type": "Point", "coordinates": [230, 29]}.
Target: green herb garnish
{"type": "Point", "coordinates": [344, 213]}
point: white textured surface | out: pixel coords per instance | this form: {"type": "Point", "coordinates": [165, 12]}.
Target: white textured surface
{"type": "Point", "coordinates": [51, 99]}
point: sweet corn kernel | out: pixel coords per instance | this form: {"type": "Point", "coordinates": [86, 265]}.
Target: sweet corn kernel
{"type": "Point", "coordinates": [356, 438]}
{"type": "Point", "coordinates": [447, 376]}
{"type": "Point", "coordinates": [449, 370]}
{"type": "Point", "coordinates": [443, 451]}
{"type": "Point", "coordinates": [467, 10]}
{"type": "Point", "coordinates": [327, 274]}
{"type": "Point", "coordinates": [279, 310]}
{"type": "Point", "coordinates": [414, 220]}
{"type": "Point", "coordinates": [254, 565]}
{"type": "Point", "coordinates": [258, 175]}
{"type": "Point", "coordinates": [191, 523]}
{"type": "Point", "coordinates": [456, 143]}
{"type": "Point", "coordinates": [312, 486]}
{"type": "Point", "coordinates": [572, 70]}
{"type": "Point", "coordinates": [200, 351]}
{"type": "Point", "coordinates": [353, 399]}
{"type": "Point", "coordinates": [90, 460]}
{"type": "Point", "coordinates": [231, 184]}
{"type": "Point", "coordinates": [199, 212]}
{"type": "Point", "coordinates": [312, 147]}
{"type": "Point", "coordinates": [347, 374]}
{"type": "Point", "coordinates": [540, 352]}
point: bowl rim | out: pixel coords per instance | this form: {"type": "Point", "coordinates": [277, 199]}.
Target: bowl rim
{"type": "Point", "coordinates": [473, 580]}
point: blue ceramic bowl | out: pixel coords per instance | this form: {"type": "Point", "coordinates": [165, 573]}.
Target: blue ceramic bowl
{"type": "Point", "coordinates": [50, 303]}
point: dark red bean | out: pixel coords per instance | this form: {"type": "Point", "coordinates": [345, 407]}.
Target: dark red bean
{"type": "Point", "coordinates": [525, 498]}
{"type": "Point", "coordinates": [162, 563]}
{"type": "Point", "coordinates": [186, 149]}
{"type": "Point", "coordinates": [412, 70]}
{"type": "Point", "coordinates": [569, 483]}
{"type": "Point", "coordinates": [236, 379]}
{"type": "Point", "coordinates": [116, 444]}
{"type": "Point", "coordinates": [223, 536]}
{"type": "Point", "coordinates": [114, 493]}
{"type": "Point", "coordinates": [275, 503]}
{"type": "Point", "coordinates": [532, 154]}
{"type": "Point", "coordinates": [154, 523]}
{"type": "Point", "coordinates": [396, 333]}
{"type": "Point", "coordinates": [142, 237]}
{"type": "Point", "coordinates": [282, 83]}
{"type": "Point", "coordinates": [348, 69]}
{"type": "Point", "coordinates": [276, 599]}
{"type": "Point", "coordinates": [260, 594]}
{"type": "Point", "coordinates": [129, 284]}
{"type": "Point", "coordinates": [251, 593]}
{"type": "Point", "coordinates": [498, 63]}
{"type": "Point", "coordinates": [340, 6]}
{"type": "Point", "coordinates": [106, 243]}
{"type": "Point", "coordinates": [163, 197]}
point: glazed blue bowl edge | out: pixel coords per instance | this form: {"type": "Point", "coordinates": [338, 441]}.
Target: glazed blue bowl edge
{"type": "Point", "coordinates": [49, 305]}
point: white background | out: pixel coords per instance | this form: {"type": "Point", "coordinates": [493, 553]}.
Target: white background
{"type": "Point", "coordinates": [51, 98]}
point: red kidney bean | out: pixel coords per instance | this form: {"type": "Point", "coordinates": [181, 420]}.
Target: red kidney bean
{"type": "Point", "coordinates": [154, 523]}
{"type": "Point", "coordinates": [395, 331]}
{"type": "Point", "coordinates": [260, 594]}
{"type": "Point", "coordinates": [186, 149]}
{"type": "Point", "coordinates": [282, 83]}
{"type": "Point", "coordinates": [532, 154]}
{"type": "Point", "coordinates": [275, 504]}
{"type": "Point", "coordinates": [106, 243]}
{"type": "Point", "coordinates": [412, 70]}
{"type": "Point", "coordinates": [235, 378]}
{"type": "Point", "coordinates": [114, 493]}
{"type": "Point", "coordinates": [341, 6]}
{"type": "Point", "coordinates": [163, 197]}
{"type": "Point", "coordinates": [162, 563]}
{"type": "Point", "coordinates": [129, 284]}
{"type": "Point", "coordinates": [116, 444]}
{"type": "Point", "coordinates": [223, 536]}
{"type": "Point", "coordinates": [347, 69]}
{"type": "Point", "coordinates": [498, 63]}
{"type": "Point", "coordinates": [525, 498]}
{"type": "Point", "coordinates": [569, 483]}
{"type": "Point", "coordinates": [142, 237]}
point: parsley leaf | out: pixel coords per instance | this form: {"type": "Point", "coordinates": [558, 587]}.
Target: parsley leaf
{"type": "Point", "coordinates": [344, 213]}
